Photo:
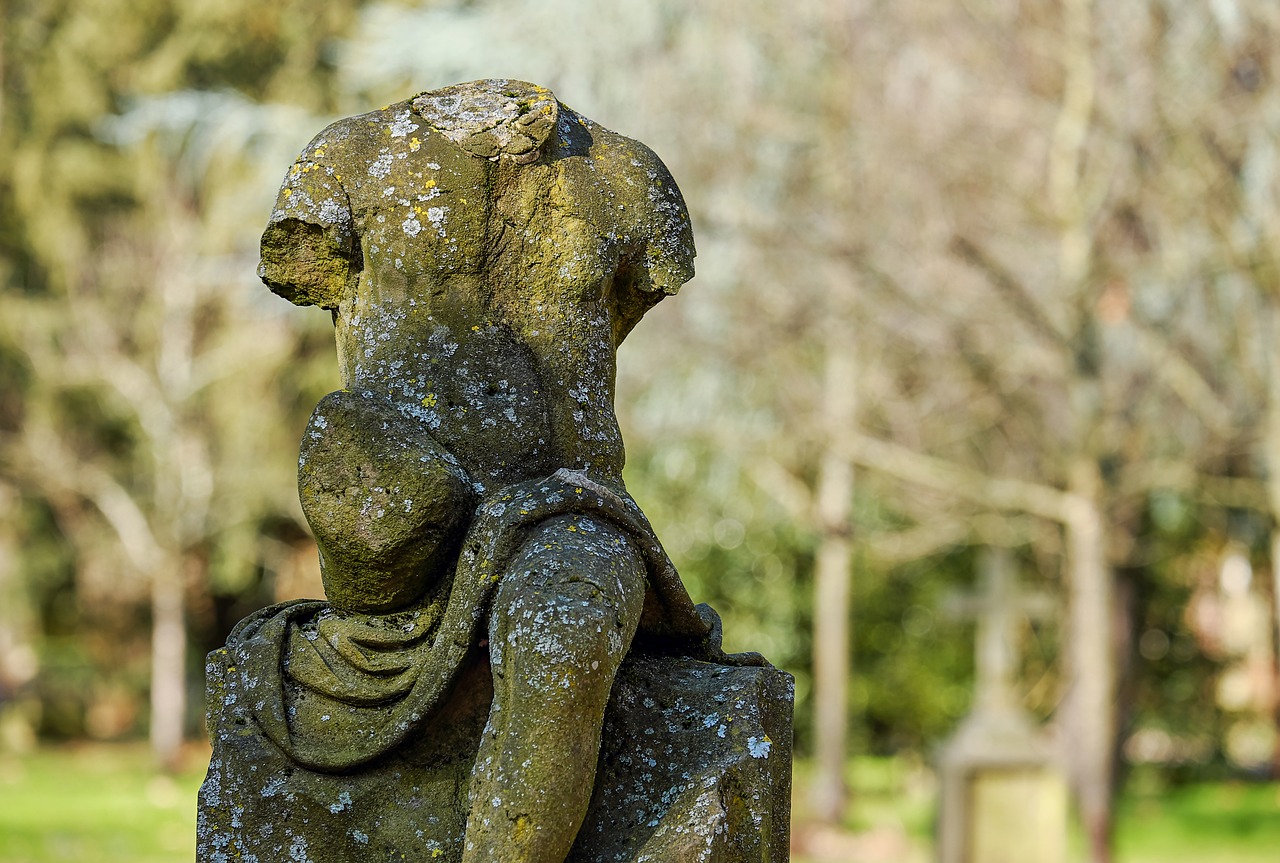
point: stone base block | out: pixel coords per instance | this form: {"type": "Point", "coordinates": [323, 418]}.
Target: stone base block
{"type": "Point", "coordinates": [695, 767]}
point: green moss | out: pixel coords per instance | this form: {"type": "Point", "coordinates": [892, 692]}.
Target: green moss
{"type": "Point", "coordinates": [303, 263]}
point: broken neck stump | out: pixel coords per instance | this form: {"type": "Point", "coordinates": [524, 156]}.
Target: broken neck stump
{"type": "Point", "coordinates": [508, 667]}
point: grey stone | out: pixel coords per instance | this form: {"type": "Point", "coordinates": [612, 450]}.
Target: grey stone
{"type": "Point", "coordinates": [509, 668]}
{"type": "Point", "coordinates": [695, 768]}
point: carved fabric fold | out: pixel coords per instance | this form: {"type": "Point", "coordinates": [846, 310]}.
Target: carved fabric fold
{"type": "Point", "coordinates": [356, 715]}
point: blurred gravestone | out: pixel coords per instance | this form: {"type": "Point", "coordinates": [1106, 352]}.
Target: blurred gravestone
{"type": "Point", "coordinates": [1004, 794]}
{"type": "Point", "coordinates": [508, 667]}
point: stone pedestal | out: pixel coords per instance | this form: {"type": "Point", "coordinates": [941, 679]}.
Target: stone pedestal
{"type": "Point", "coordinates": [1004, 796]}
{"type": "Point", "coordinates": [695, 767]}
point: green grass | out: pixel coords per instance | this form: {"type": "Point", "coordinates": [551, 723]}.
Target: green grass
{"type": "Point", "coordinates": [95, 804]}
{"type": "Point", "coordinates": [105, 804]}
{"type": "Point", "coordinates": [1221, 822]}
{"type": "Point", "coordinates": [893, 813]}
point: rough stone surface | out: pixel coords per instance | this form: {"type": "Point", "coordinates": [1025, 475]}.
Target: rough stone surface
{"type": "Point", "coordinates": [695, 768]}
{"type": "Point", "coordinates": [466, 691]}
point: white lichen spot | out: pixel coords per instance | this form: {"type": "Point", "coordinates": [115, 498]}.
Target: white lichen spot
{"type": "Point", "coordinates": [402, 125]}
{"type": "Point", "coordinates": [298, 850]}
{"type": "Point", "coordinates": [333, 212]}
{"type": "Point", "coordinates": [412, 227]}
{"type": "Point", "coordinates": [759, 746]}
{"type": "Point", "coordinates": [380, 166]}
{"type": "Point", "coordinates": [436, 215]}
{"type": "Point", "coordinates": [273, 786]}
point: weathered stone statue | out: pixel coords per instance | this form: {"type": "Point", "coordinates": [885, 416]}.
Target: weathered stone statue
{"type": "Point", "coordinates": [508, 667]}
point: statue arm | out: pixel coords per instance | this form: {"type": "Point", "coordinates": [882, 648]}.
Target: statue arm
{"type": "Point", "coordinates": [656, 263]}
{"type": "Point", "coordinates": [662, 261]}
{"type": "Point", "coordinates": [579, 376]}
{"type": "Point", "coordinates": [669, 251]}
{"type": "Point", "coordinates": [310, 252]}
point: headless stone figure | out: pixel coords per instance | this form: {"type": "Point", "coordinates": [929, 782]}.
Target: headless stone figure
{"type": "Point", "coordinates": [484, 250]}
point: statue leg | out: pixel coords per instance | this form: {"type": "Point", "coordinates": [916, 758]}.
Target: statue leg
{"type": "Point", "coordinates": [561, 623]}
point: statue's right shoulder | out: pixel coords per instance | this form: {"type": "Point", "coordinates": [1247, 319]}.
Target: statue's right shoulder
{"type": "Point", "coordinates": [310, 251]}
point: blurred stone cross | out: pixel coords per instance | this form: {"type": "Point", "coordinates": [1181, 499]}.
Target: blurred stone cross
{"type": "Point", "coordinates": [1000, 609]}
{"type": "Point", "coordinates": [1004, 796]}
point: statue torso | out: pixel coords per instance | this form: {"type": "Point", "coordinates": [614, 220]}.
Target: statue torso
{"type": "Point", "coordinates": [497, 236]}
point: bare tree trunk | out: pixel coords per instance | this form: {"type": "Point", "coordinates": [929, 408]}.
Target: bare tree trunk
{"type": "Point", "coordinates": [168, 665]}
{"type": "Point", "coordinates": [1091, 645]}
{"type": "Point", "coordinates": [184, 485]}
{"type": "Point", "coordinates": [1091, 697]}
{"type": "Point", "coordinates": [832, 629]}
{"type": "Point", "coordinates": [1271, 458]}
{"type": "Point", "coordinates": [17, 655]}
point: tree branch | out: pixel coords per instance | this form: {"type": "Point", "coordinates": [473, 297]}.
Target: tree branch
{"type": "Point", "coordinates": [1185, 380]}
{"type": "Point", "coordinates": [992, 492]}
{"type": "Point", "coordinates": [782, 485]}
{"type": "Point", "coordinates": [39, 458]}
{"type": "Point", "coordinates": [1011, 289]}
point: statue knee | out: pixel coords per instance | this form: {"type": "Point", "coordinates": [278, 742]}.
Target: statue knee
{"type": "Point", "coordinates": [570, 603]}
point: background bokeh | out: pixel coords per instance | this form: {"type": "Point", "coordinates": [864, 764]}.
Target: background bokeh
{"type": "Point", "coordinates": [972, 275]}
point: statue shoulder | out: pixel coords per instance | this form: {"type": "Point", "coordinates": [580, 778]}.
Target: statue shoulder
{"type": "Point", "coordinates": [310, 251]}
{"type": "Point", "coordinates": [635, 186]}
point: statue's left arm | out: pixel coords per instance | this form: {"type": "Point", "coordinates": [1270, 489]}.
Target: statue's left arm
{"type": "Point", "coordinates": [633, 204]}
{"type": "Point", "coordinates": [660, 259]}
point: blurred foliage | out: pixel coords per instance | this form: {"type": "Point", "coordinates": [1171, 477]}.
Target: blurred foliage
{"type": "Point", "coordinates": [868, 185]}
{"type": "Point", "coordinates": [153, 402]}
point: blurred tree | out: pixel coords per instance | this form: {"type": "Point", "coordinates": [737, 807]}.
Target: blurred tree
{"type": "Point", "coordinates": [1012, 261]}
{"type": "Point", "coordinates": [145, 372]}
